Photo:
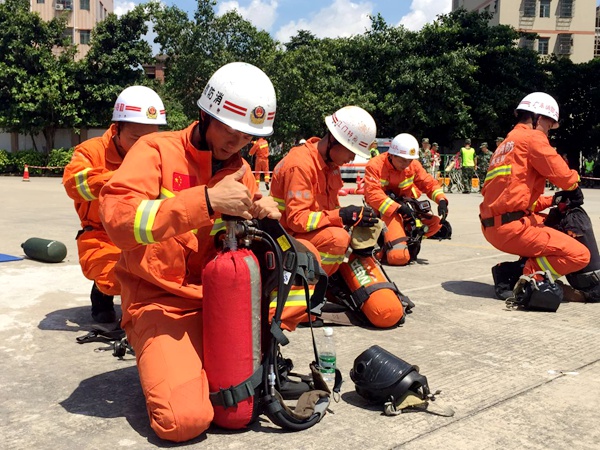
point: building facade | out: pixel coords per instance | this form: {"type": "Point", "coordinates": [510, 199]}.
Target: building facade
{"type": "Point", "coordinates": [82, 15]}
{"type": "Point", "coordinates": [566, 28]}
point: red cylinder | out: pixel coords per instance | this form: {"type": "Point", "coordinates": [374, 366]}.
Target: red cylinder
{"type": "Point", "coordinates": [232, 330]}
{"type": "Point", "coordinates": [383, 308]}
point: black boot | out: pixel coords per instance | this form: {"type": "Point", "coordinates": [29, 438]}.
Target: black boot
{"type": "Point", "coordinates": [103, 308]}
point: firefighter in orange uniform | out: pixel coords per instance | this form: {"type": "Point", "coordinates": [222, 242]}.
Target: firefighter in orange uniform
{"type": "Point", "coordinates": [138, 111]}
{"type": "Point", "coordinates": [260, 150]}
{"type": "Point", "coordinates": [512, 193]}
{"type": "Point", "coordinates": [162, 208]}
{"type": "Point", "coordinates": [307, 180]}
{"type": "Point", "coordinates": [399, 172]}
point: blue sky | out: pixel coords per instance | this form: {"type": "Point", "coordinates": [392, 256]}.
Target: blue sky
{"type": "Point", "coordinates": [324, 18]}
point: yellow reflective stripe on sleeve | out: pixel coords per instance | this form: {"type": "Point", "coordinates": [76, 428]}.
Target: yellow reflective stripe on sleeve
{"type": "Point", "coordinates": [165, 193]}
{"type": "Point", "coordinates": [144, 220]}
{"type": "Point", "coordinates": [280, 203]}
{"type": "Point", "coordinates": [546, 266]}
{"type": "Point", "coordinates": [406, 183]}
{"type": "Point", "coordinates": [385, 205]}
{"type": "Point", "coordinates": [498, 171]}
{"type": "Point", "coordinates": [81, 183]}
{"type": "Point", "coordinates": [532, 207]}
{"type": "Point", "coordinates": [296, 297]}
{"type": "Point", "coordinates": [573, 186]}
{"type": "Point", "coordinates": [384, 183]}
{"type": "Point", "coordinates": [313, 221]}
{"type": "Point", "coordinates": [219, 225]}
{"type": "Point", "coordinates": [435, 194]}
{"type": "Point", "coordinates": [329, 259]}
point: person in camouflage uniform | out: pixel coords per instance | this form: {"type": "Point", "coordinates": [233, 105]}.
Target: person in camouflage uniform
{"type": "Point", "coordinates": [482, 162]}
{"type": "Point", "coordinates": [425, 154]}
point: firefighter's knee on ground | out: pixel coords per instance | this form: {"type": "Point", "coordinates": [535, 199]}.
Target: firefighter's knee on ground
{"type": "Point", "coordinates": [181, 418]}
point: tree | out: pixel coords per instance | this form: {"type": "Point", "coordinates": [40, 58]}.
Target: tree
{"type": "Point", "coordinates": [37, 68]}
{"type": "Point", "coordinates": [117, 52]}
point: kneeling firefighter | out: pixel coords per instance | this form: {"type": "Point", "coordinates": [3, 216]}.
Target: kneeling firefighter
{"type": "Point", "coordinates": [391, 179]}
{"type": "Point", "coordinates": [241, 345]}
{"type": "Point", "coordinates": [513, 197]}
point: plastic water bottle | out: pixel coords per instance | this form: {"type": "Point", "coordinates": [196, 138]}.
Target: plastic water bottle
{"type": "Point", "coordinates": [327, 358]}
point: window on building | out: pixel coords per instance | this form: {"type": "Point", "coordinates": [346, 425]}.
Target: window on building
{"type": "Point", "coordinates": [544, 8]}
{"type": "Point", "coordinates": [68, 33]}
{"type": "Point", "coordinates": [529, 8]}
{"type": "Point", "coordinates": [526, 43]}
{"type": "Point", "coordinates": [543, 45]}
{"type": "Point", "coordinates": [597, 47]}
{"type": "Point", "coordinates": [84, 5]}
{"type": "Point", "coordinates": [40, 2]}
{"type": "Point", "coordinates": [564, 44]}
{"type": "Point", "coordinates": [84, 37]}
{"type": "Point", "coordinates": [566, 8]}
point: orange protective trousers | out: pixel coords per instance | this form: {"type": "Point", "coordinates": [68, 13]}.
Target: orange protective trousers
{"type": "Point", "coordinates": [97, 258]}
{"type": "Point", "coordinates": [546, 248]}
{"type": "Point", "coordinates": [261, 166]}
{"type": "Point", "coordinates": [168, 348]}
{"type": "Point", "coordinates": [398, 255]}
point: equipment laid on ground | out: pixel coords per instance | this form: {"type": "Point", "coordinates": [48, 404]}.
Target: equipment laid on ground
{"type": "Point", "coordinates": [362, 287]}
{"type": "Point", "coordinates": [383, 378]}
{"type": "Point", "coordinates": [242, 355]}
{"type": "Point", "coordinates": [44, 250]}
{"type": "Point", "coordinates": [535, 294]}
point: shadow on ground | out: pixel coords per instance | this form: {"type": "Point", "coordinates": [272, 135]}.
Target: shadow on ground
{"type": "Point", "coordinates": [470, 289]}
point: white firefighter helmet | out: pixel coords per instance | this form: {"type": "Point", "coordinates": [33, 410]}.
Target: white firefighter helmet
{"type": "Point", "coordinates": [241, 96]}
{"type": "Point", "coordinates": [540, 103]}
{"type": "Point", "coordinates": [139, 104]}
{"type": "Point", "coordinates": [354, 128]}
{"type": "Point", "coordinates": [404, 145]}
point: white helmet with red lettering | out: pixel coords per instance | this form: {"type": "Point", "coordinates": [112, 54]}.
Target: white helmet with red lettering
{"type": "Point", "coordinates": [404, 145]}
{"type": "Point", "coordinates": [139, 104]}
{"type": "Point", "coordinates": [354, 128]}
{"type": "Point", "coordinates": [241, 96]}
{"type": "Point", "coordinates": [540, 103]}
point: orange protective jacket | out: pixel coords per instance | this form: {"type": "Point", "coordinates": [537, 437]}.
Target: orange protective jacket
{"type": "Point", "coordinates": [306, 190]}
{"type": "Point", "coordinates": [154, 208]}
{"type": "Point", "coordinates": [260, 149]}
{"type": "Point", "coordinates": [90, 168]}
{"type": "Point", "coordinates": [518, 171]}
{"type": "Point", "coordinates": [382, 176]}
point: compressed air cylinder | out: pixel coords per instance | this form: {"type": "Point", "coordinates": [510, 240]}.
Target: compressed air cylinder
{"type": "Point", "coordinates": [383, 308]}
{"type": "Point", "coordinates": [231, 315]}
{"type": "Point", "coordinates": [44, 250]}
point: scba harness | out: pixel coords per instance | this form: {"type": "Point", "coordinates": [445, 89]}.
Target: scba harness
{"type": "Point", "coordinates": [282, 263]}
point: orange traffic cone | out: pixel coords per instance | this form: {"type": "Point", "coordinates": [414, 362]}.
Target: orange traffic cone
{"type": "Point", "coordinates": [26, 173]}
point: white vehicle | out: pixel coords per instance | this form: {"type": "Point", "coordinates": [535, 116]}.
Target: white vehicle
{"type": "Point", "coordinates": [356, 168]}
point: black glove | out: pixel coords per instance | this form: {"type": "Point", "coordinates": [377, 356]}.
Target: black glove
{"type": "Point", "coordinates": [358, 216]}
{"type": "Point", "coordinates": [405, 211]}
{"type": "Point", "coordinates": [443, 209]}
{"type": "Point", "coordinates": [572, 198]}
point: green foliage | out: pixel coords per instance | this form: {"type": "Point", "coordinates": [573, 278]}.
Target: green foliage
{"type": "Point", "coordinates": [31, 158]}
{"type": "Point", "coordinates": [59, 157]}
{"type": "Point", "coordinates": [6, 162]}
{"type": "Point", "coordinates": [458, 77]}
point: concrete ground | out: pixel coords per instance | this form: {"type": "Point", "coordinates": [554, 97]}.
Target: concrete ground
{"type": "Point", "coordinates": [517, 380]}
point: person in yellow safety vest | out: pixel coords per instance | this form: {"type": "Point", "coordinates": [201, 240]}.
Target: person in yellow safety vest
{"type": "Point", "coordinates": [588, 171]}
{"type": "Point", "coordinates": [261, 163]}
{"type": "Point", "coordinates": [467, 160]}
{"type": "Point", "coordinates": [373, 149]}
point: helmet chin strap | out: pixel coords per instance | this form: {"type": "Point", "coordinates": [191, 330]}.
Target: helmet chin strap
{"type": "Point", "coordinates": [329, 147]}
